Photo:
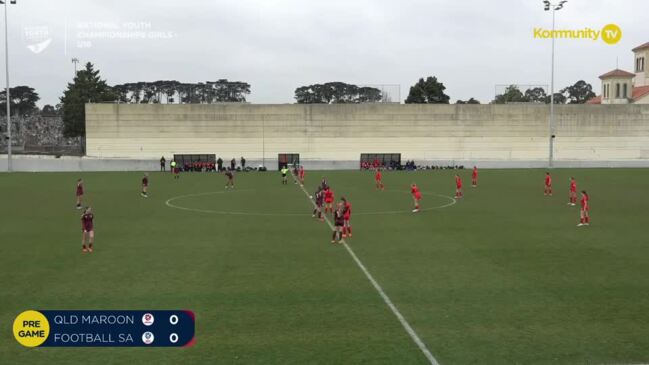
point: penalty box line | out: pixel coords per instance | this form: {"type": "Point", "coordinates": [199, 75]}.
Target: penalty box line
{"type": "Point", "coordinates": [379, 289]}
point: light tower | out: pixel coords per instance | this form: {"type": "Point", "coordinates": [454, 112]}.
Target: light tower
{"type": "Point", "coordinates": [554, 7]}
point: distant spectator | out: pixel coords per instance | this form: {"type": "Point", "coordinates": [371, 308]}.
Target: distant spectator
{"type": "Point", "coordinates": [162, 163]}
{"type": "Point", "coordinates": [219, 163]}
{"type": "Point", "coordinates": [233, 164]}
{"type": "Point", "coordinates": [243, 163]}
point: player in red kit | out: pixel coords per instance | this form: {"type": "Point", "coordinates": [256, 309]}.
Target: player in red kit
{"type": "Point", "coordinates": [474, 177]}
{"type": "Point", "coordinates": [339, 223]}
{"type": "Point", "coordinates": [87, 230]}
{"type": "Point", "coordinates": [329, 200]}
{"type": "Point", "coordinates": [548, 184]}
{"type": "Point", "coordinates": [416, 196]}
{"type": "Point", "coordinates": [301, 175]}
{"type": "Point", "coordinates": [458, 187]}
{"type": "Point", "coordinates": [585, 209]}
{"type": "Point", "coordinates": [79, 193]}
{"type": "Point", "coordinates": [347, 216]}
{"type": "Point", "coordinates": [378, 177]}
{"type": "Point", "coordinates": [572, 195]}
{"type": "Point", "coordinates": [145, 185]}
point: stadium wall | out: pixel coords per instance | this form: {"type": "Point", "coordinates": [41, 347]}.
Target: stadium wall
{"type": "Point", "coordinates": [336, 135]}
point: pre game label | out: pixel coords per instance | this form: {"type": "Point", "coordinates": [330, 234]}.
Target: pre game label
{"type": "Point", "coordinates": [105, 328]}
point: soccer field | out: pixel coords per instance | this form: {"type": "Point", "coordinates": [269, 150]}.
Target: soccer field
{"type": "Point", "coordinates": [502, 276]}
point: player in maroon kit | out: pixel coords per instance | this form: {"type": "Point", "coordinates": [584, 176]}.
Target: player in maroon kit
{"type": "Point", "coordinates": [347, 217]}
{"type": "Point", "coordinates": [416, 196]}
{"type": "Point", "coordinates": [585, 209]}
{"type": "Point", "coordinates": [572, 195]}
{"type": "Point", "coordinates": [458, 187]}
{"type": "Point", "coordinates": [319, 198]}
{"type": "Point", "coordinates": [301, 175]}
{"type": "Point", "coordinates": [145, 185]}
{"type": "Point", "coordinates": [323, 183]}
{"type": "Point", "coordinates": [87, 230]}
{"type": "Point", "coordinates": [79, 193]}
{"type": "Point", "coordinates": [329, 200]}
{"type": "Point", "coordinates": [229, 183]}
{"type": "Point", "coordinates": [474, 177]}
{"type": "Point", "coordinates": [378, 177]}
{"type": "Point", "coordinates": [548, 184]}
{"type": "Point", "coordinates": [339, 223]}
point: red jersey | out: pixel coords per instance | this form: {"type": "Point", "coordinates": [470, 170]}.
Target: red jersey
{"type": "Point", "coordinates": [145, 181]}
{"type": "Point", "coordinates": [548, 180]}
{"type": "Point", "coordinates": [573, 186]}
{"type": "Point", "coordinates": [415, 192]}
{"type": "Point", "coordinates": [474, 174]}
{"type": "Point", "coordinates": [302, 172]}
{"type": "Point", "coordinates": [86, 222]}
{"type": "Point", "coordinates": [584, 203]}
{"type": "Point", "coordinates": [79, 188]}
{"type": "Point", "coordinates": [329, 196]}
{"type": "Point", "coordinates": [458, 182]}
{"type": "Point", "coordinates": [378, 176]}
{"type": "Point", "coordinates": [347, 210]}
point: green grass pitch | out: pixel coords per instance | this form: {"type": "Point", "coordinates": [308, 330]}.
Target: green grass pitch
{"type": "Point", "coordinates": [503, 276]}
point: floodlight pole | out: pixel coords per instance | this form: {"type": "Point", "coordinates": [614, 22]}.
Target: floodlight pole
{"type": "Point", "coordinates": [7, 99]}
{"type": "Point", "coordinates": [554, 8]}
{"type": "Point", "coordinates": [551, 123]}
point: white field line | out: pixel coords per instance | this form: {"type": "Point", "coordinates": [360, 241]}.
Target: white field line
{"type": "Point", "coordinates": [169, 203]}
{"type": "Point", "coordinates": [386, 299]}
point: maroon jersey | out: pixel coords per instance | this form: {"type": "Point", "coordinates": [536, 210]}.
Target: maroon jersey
{"type": "Point", "coordinates": [86, 222]}
{"type": "Point", "coordinates": [79, 188]}
{"type": "Point", "coordinates": [229, 175]}
{"type": "Point", "coordinates": [319, 196]}
{"type": "Point", "coordinates": [339, 218]}
{"type": "Point", "coordinates": [145, 181]}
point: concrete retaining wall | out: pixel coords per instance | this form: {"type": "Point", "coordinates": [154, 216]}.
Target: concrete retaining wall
{"type": "Point", "coordinates": [337, 133]}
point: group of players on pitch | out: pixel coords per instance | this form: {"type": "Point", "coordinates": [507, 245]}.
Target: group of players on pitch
{"type": "Point", "coordinates": [584, 212]}
{"type": "Point", "coordinates": [324, 201]}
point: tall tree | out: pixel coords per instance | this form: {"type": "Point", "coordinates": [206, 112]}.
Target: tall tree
{"type": "Point", "coordinates": [535, 95]}
{"type": "Point", "coordinates": [559, 98]}
{"type": "Point", "coordinates": [512, 94]}
{"type": "Point", "coordinates": [579, 93]}
{"type": "Point", "coordinates": [87, 87]}
{"type": "Point", "coordinates": [23, 100]}
{"type": "Point", "coordinates": [429, 91]}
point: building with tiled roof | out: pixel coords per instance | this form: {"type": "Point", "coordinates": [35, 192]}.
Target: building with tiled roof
{"type": "Point", "coordinates": [623, 87]}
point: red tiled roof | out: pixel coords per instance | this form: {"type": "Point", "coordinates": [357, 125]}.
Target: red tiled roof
{"type": "Point", "coordinates": [595, 100]}
{"type": "Point", "coordinates": [639, 92]}
{"type": "Point", "coordinates": [642, 46]}
{"type": "Point", "coordinates": [617, 73]}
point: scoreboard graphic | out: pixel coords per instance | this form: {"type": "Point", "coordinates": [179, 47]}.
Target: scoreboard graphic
{"type": "Point", "coordinates": [65, 328]}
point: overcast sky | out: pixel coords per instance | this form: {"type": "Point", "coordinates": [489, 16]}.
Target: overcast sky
{"type": "Point", "coordinates": [278, 45]}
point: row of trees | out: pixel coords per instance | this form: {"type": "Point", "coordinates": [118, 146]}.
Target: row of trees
{"type": "Point", "coordinates": [171, 91]}
{"type": "Point", "coordinates": [88, 87]}
{"type": "Point", "coordinates": [578, 93]}
{"type": "Point", "coordinates": [337, 93]}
